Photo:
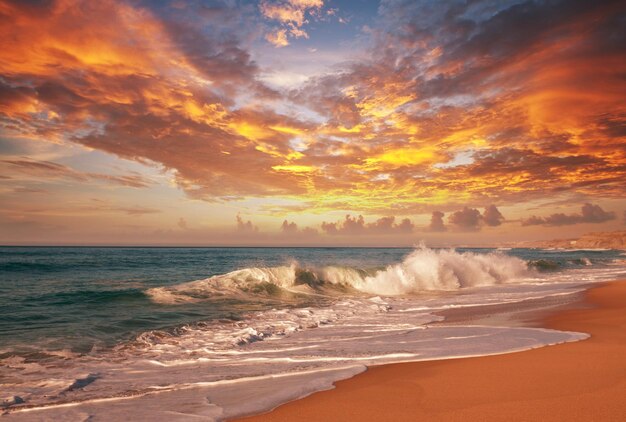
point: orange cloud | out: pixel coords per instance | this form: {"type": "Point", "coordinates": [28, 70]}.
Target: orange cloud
{"type": "Point", "coordinates": [454, 107]}
{"type": "Point", "coordinates": [245, 226]}
{"type": "Point", "coordinates": [278, 38]}
{"type": "Point", "coordinates": [589, 214]}
{"type": "Point", "coordinates": [436, 222]}
{"type": "Point", "coordinates": [46, 170]}
{"type": "Point", "coordinates": [357, 226]}
{"type": "Point", "coordinates": [292, 14]}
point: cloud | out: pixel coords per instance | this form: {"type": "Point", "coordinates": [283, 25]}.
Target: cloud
{"type": "Point", "coordinates": [182, 223]}
{"type": "Point", "coordinates": [46, 170]}
{"type": "Point", "coordinates": [292, 15]}
{"type": "Point", "coordinates": [471, 219]}
{"type": "Point", "coordinates": [278, 38]}
{"type": "Point", "coordinates": [292, 230]}
{"type": "Point", "coordinates": [291, 11]}
{"type": "Point", "coordinates": [101, 205]}
{"type": "Point", "coordinates": [246, 226]}
{"type": "Point", "coordinates": [357, 226]}
{"type": "Point", "coordinates": [589, 214]}
{"type": "Point", "coordinates": [21, 189]}
{"type": "Point", "coordinates": [466, 219]}
{"type": "Point", "coordinates": [386, 225]}
{"type": "Point", "coordinates": [164, 94]}
{"type": "Point", "coordinates": [135, 210]}
{"type": "Point", "coordinates": [288, 227]}
{"type": "Point", "coordinates": [529, 95]}
{"type": "Point", "coordinates": [309, 232]}
{"type": "Point", "coordinates": [451, 85]}
{"type": "Point", "coordinates": [492, 216]}
{"type": "Point", "coordinates": [595, 214]}
{"type": "Point", "coordinates": [351, 225]}
{"type": "Point", "coordinates": [436, 222]}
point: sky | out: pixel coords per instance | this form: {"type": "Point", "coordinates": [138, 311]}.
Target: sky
{"type": "Point", "coordinates": [311, 122]}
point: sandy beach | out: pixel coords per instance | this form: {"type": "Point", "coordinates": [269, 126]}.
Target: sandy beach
{"type": "Point", "coordinates": [583, 381]}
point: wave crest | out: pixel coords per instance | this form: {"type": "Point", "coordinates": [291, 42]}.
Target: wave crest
{"type": "Point", "coordinates": [423, 270]}
{"type": "Point", "coordinates": [247, 280]}
{"type": "Point", "coordinates": [429, 269]}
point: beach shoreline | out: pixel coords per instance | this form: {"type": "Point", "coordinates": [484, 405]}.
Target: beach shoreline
{"type": "Point", "coordinates": [584, 380]}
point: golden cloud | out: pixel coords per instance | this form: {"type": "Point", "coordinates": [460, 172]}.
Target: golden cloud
{"type": "Point", "coordinates": [530, 117]}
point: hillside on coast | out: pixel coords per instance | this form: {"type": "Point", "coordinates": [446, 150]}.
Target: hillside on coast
{"type": "Point", "coordinates": [598, 240]}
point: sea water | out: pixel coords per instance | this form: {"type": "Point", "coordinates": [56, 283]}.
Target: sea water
{"type": "Point", "coordinates": [177, 333]}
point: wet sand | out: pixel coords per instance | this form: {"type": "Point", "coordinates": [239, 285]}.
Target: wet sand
{"type": "Point", "coordinates": [582, 381]}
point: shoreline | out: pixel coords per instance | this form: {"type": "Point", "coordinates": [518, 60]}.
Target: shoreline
{"type": "Point", "coordinates": [583, 380]}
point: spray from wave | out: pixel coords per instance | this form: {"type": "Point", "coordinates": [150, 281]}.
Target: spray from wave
{"type": "Point", "coordinates": [428, 269]}
{"type": "Point", "coordinates": [423, 270]}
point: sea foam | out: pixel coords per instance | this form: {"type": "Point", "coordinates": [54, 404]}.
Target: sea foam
{"type": "Point", "coordinates": [423, 270]}
{"type": "Point", "coordinates": [428, 269]}
{"type": "Point", "coordinates": [321, 323]}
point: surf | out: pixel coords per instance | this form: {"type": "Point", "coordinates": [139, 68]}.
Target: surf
{"type": "Point", "coordinates": [423, 270]}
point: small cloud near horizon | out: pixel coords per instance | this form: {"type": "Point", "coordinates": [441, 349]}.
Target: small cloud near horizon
{"type": "Point", "coordinates": [357, 226]}
{"type": "Point", "coordinates": [589, 214]}
{"type": "Point", "coordinates": [469, 219]}
{"type": "Point", "coordinates": [246, 226]}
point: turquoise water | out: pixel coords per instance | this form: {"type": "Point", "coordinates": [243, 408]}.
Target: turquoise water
{"type": "Point", "coordinates": [217, 333]}
{"type": "Point", "coordinates": [84, 299]}
{"type": "Point", "coordinates": [80, 298]}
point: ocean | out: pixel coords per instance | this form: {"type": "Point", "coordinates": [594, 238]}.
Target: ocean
{"type": "Point", "coordinates": [146, 333]}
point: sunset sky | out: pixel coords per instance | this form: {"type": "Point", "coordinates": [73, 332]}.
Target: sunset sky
{"type": "Point", "coordinates": [311, 122]}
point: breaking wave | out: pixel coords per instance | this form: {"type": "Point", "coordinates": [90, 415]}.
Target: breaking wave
{"type": "Point", "coordinates": [423, 270]}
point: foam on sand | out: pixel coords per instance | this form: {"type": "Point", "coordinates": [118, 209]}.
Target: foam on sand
{"type": "Point", "coordinates": [266, 359]}
{"type": "Point", "coordinates": [221, 368]}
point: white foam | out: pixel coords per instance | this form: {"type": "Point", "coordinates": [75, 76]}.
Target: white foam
{"type": "Point", "coordinates": [427, 269]}
{"type": "Point", "coordinates": [423, 270]}
{"type": "Point", "coordinates": [272, 356]}
{"type": "Point", "coordinates": [223, 369]}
